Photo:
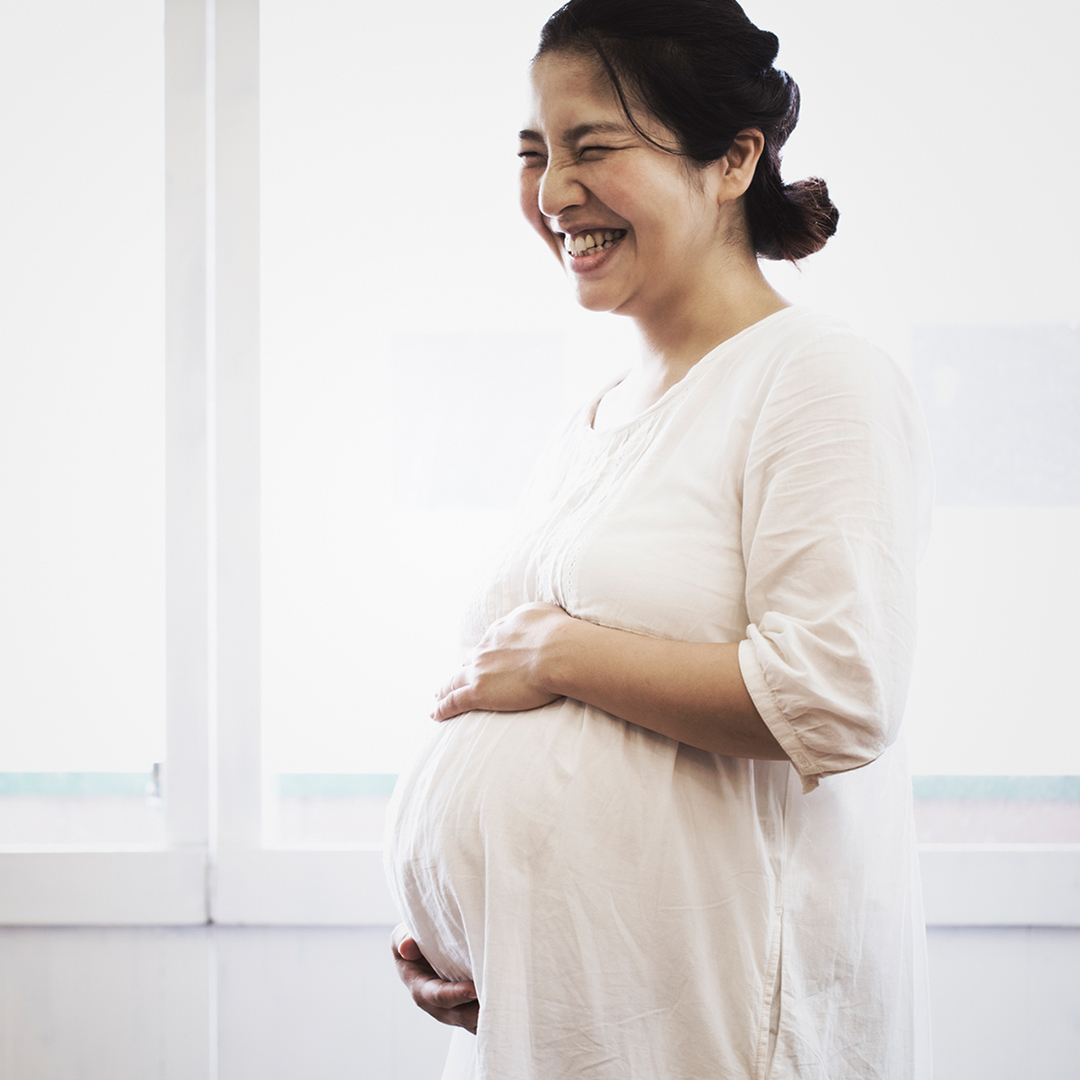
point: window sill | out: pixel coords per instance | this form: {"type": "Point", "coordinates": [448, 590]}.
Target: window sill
{"type": "Point", "coordinates": [1001, 884]}
{"type": "Point", "coordinates": [117, 887]}
{"type": "Point", "coordinates": [963, 885]}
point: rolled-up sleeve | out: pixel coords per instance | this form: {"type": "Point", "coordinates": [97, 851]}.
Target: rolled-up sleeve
{"type": "Point", "coordinates": [836, 498]}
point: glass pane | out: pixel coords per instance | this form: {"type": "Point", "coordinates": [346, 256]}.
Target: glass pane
{"type": "Point", "coordinates": [81, 397]}
{"type": "Point", "coordinates": [418, 351]}
{"type": "Point", "coordinates": [997, 809]}
{"type": "Point", "coordinates": [903, 113]}
{"type": "Point", "coordinates": [43, 809]}
{"type": "Point", "coordinates": [975, 299]}
{"type": "Point", "coordinates": [399, 282]}
{"type": "Point", "coordinates": [330, 808]}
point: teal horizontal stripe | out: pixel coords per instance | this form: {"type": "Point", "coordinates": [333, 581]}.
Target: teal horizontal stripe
{"type": "Point", "coordinates": [344, 785]}
{"type": "Point", "coordinates": [334, 785]}
{"type": "Point", "coordinates": [75, 784]}
{"type": "Point", "coordinates": [349, 785]}
{"type": "Point", "coordinates": [103, 784]}
{"type": "Point", "coordinates": [997, 787]}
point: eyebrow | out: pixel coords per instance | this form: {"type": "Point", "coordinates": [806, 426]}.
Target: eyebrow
{"type": "Point", "coordinates": [571, 135]}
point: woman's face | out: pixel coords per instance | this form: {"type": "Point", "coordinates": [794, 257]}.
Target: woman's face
{"type": "Point", "coordinates": [632, 224]}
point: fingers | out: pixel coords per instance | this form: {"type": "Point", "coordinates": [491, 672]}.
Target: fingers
{"type": "Point", "coordinates": [434, 993]}
{"type": "Point", "coordinates": [466, 1016]}
{"type": "Point", "coordinates": [460, 678]}
{"type": "Point", "coordinates": [449, 697]}
{"type": "Point", "coordinates": [452, 703]}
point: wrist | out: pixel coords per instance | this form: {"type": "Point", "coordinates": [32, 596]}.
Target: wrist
{"type": "Point", "coordinates": [561, 644]}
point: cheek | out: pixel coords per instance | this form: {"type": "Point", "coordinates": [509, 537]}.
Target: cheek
{"type": "Point", "coordinates": [530, 207]}
{"type": "Point", "coordinates": [530, 199]}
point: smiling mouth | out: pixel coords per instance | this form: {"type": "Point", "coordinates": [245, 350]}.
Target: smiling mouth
{"type": "Point", "coordinates": [588, 243]}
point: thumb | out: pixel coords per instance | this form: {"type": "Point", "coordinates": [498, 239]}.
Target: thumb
{"type": "Point", "coordinates": [409, 950]}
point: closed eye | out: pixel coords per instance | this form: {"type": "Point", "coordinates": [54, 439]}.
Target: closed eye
{"type": "Point", "coordinates": [530, 157]}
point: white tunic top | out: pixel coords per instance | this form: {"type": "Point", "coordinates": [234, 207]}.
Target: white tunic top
{"type": "Point", "coordinates": [629, 907]}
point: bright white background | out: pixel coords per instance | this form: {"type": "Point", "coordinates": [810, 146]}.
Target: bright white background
{"type": "Point", "coordinates": [108, 970]}
{"type": "Point", "coordinates": [394, 258]}
{"type": "Point", "coordinates": [419, 345]}
{"type": "Point", "coordinates": [82, 381]}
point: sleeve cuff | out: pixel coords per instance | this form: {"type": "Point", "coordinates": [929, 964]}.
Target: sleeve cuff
{"type": "Point", "coordinates": [775, 720]}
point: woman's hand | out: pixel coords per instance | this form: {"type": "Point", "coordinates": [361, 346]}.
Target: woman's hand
{"type": "Point", "coordinates": [451, 1003]}
{"type": "Point", "coordinates": [690, 691]}
{"type": "Point", "coordinates": [504, 673]}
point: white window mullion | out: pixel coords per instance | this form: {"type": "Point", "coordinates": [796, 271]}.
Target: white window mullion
{"type": "Point", "coordinates": [236, 411]}
{"type": "Point", "coordinates": [187, 519]}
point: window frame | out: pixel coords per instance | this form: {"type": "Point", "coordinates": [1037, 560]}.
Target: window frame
{"type": "Point", "coordinates": [214, 867]}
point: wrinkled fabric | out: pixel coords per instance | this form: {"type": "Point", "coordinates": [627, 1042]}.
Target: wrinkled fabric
{"type": "Point", "coordinates": [631, 907]}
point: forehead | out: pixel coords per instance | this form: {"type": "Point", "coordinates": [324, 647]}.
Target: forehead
{"type": "Point", "coordinates": [568, 85]}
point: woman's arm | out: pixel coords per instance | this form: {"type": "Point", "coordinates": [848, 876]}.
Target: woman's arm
{"type": "Point", "coordinates": [689, 691]}
{"type": "Point", "coordinates": [835, 501]}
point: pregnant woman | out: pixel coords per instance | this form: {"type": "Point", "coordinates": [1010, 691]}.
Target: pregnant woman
{"type": "Point", "coordinates": [663, 830]}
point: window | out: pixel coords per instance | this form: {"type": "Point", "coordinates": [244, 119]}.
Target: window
{"type": "Point", "coordinates": [82, 422]}
{"type": "Point", "coordinates": [320, 525]}
{"type": "Point", "coordinates": [388, 339]}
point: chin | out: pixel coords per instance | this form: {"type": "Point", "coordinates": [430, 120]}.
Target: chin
{"type": "Point", "coordinates": [596, 300]}
{"type": "Point", "coordinates": [593, 305]}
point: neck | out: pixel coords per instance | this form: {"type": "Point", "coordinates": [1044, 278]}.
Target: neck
{"type": "Point", "coordinates": [691, 323]}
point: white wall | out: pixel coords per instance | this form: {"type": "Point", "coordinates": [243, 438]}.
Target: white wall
{"type": "Point", "coordinates": [1005, 1003]}
{"type": "Point", "coordinates": [134, 1004]}
{"type": "Point", "coordinates": [92, 1003]}
{"type": "Point", "coordinates": [324, 1004]}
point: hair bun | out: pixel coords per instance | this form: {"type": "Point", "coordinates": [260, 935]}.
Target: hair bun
{"type": "Point", "coordinates": [792, 221]}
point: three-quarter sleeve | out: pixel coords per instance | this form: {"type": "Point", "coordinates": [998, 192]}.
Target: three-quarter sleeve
{"type": "Point", "coordinates": [836, 496]}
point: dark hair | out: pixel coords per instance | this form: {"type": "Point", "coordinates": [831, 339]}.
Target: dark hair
{"type": "Point", "coordinates": [705, 71]}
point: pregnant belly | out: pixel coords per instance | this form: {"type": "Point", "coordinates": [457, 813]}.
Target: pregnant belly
{"type": "Point", "coordinates": [524, 797]}
{"type": "Point", "coordinates": [548, 811]}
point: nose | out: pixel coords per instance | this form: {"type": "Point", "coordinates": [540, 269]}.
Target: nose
{"type": "Point", "coordinates": [559, 191]}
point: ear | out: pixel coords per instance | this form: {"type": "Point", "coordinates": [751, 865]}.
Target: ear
{"type": "Point", "coordinates": [738, 165]}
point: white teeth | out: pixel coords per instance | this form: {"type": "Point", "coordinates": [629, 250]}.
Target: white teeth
{"type": "Point", "coordinates": [591, 242]}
